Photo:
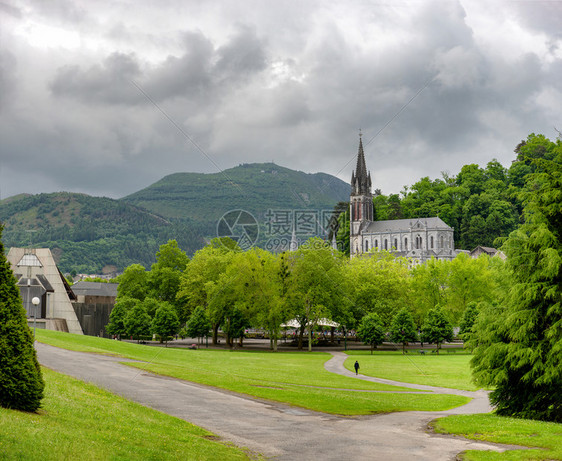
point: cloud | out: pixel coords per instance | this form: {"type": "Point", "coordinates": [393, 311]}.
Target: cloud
{"type": "Point", "coordinates": [434, 85]}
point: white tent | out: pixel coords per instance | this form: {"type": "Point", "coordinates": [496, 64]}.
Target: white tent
{"type": "Point", "coordinates": [323, 322]}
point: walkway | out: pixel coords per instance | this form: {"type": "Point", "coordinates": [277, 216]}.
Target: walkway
{"type": "Point", "coordinates": [273, 429]}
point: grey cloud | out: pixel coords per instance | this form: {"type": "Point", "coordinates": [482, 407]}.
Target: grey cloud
{"type": "Point", "coordinates": [108, 82]}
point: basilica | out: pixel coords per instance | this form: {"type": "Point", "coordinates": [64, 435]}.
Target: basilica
{"type": "Point", "coordinates": [419, 239]}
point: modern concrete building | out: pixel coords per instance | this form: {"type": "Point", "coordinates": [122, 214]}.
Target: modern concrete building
{"type": "Point", "coordinates": [37, 275]}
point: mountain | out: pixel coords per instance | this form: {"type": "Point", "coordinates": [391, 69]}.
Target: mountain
{"type": "Point", "coordinates": [98, 234]}
{"type": "Point", "coordinates": [255, 187]}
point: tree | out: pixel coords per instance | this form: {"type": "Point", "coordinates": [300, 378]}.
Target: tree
{"type": "Point", "coordinates": [137, 322]}
{"type": "Point", "coordinates": [436, 328]}
{"type": "Point", "coordinates": [519, 343]}
{"type": "Point", "coordinates": [165, 322]}
{"type": "Point", "coordinates": [403, 328]}
{"type": "Point", "coordinates": [116, 325]}
{"type": "Point", "coordinates": [133, 282]}
{"type": "Point", "coordinates": [21, 381]}
{"type": "Point", "coordinates": [371, 331]}
{"type": "Point", "coordinates": [468, 320]}
{"type": "Point", "coordinates": [198, 324]}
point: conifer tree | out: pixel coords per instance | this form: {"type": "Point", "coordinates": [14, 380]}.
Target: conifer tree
{"type": "Point", "coordinates": [519, 343]}
{"type": "Point", "coordinates": [21, 381]}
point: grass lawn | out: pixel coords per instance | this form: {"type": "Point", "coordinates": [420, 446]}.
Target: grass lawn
{"type": "Point", "coordinates": [544, 438]}
{"type": "Point", "coordinates": [442, 370]}
{"type": "Point", "coordinates": [295, 378]}
{"type": "Point", "coordinates": [81, 421]}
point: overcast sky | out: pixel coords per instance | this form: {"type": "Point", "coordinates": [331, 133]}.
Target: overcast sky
{"type": "Point", "coordinates": [106, 97]}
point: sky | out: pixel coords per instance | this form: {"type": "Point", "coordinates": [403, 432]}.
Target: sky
{"type": "Point", "coordinates": [106, 97]}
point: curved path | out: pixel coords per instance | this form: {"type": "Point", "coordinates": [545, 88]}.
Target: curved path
{"type": "Point", "coordinates": [276, 430]}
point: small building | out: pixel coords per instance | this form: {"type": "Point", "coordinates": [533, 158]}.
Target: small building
{"type": "Point", "coordinates": [38, 276]}
{"type": "Point", "coordinates": [480, 250]}
{"type": "Point", "coordinates": [94, 302]}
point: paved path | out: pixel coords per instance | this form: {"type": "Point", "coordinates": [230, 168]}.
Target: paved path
{"type": "Point", "coordinates": [276, 430]}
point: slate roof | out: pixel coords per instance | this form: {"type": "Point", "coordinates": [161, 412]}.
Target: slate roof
{"type": "Point", "coordinates": [95, 289]}
{"type": "Point", "coordinates": [397, 225]}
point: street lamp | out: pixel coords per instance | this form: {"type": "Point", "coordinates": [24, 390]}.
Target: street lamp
{"type": "Point", "coordinates": [35, 301]}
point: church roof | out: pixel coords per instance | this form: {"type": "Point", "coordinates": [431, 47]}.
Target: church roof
{"type": "Point", "coordinates": [397, 225]}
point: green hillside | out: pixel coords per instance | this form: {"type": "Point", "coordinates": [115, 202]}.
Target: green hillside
{"type": "Point", "coordinates": [254, 187]}
{"type": "Point", "coordinates": [90, 234]}
{"type": "Point", "coordinates": [95, 234]}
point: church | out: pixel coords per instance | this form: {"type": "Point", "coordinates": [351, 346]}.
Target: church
{"type": "Point", "coordinates": [419, 239]}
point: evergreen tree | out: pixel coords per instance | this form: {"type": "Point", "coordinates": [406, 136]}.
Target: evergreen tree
{"type": "Point", "coordinates": [21, 381]}
{"type": "Point", "coordinates": [436, 328]}
{"type": "Point", "coordinates": [519, 344]}
{"type": "Point", "coordinates": [403, 328]}
{"type": "Point", "coordinates": [371, 331]}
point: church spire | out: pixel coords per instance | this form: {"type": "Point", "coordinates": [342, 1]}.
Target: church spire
{"type": "Point", "coordinates": [360, 178]}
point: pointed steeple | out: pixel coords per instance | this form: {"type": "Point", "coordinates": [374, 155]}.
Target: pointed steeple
{"type": "Point", "coordinates": [361, 178]}
{"type": "Point", "coordinates": [294, 245]}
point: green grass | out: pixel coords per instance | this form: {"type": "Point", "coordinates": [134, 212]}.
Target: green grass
{"type": "Point", "coordinates": [82, 421]}
{"type": "Point", "coordinates": [294, 378]}
{"type": "Point", "coordinates": [544, 438]}
{"type": "Point", "coordinates": [443, 370]}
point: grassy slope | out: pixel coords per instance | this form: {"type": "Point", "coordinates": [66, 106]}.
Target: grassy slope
{"type": "Point", "coordinates": [444, 370]}
{"type": "Point", "coordinates": [81, 421]}
{"type": "Point", "coordinates": [546, 436]}
{"type": "Point", "coordinates": [294, 378]}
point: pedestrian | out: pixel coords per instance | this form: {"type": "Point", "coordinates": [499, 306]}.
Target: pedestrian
{"type": "Point", "coordinates": [356, 366]}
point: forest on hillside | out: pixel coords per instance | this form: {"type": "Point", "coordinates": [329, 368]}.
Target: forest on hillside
{"type": "Point", "coordinates": [482, 204]}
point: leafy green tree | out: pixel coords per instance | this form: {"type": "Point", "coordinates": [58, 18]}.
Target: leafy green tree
{"type": "Point", "coordinates": [403, 328]}
{"type": "Point", "coordinates": [133, 283]}
{"type": "Point", "coordinates": [137, 322]}
{"type": "Point", "coordinates": [234, 325]}
{"type": "Point", "coordinates": [198, 324]}
{"type": "Point", "coordinates": [165, 322]}
{"type": "Point", "coordinates": [199, 283]}
{"type": "Point", "coordinates": [317, 286]}
{"type": "Point", "coordinates": [468, 320]}
{"type": "Point", "coordinates": [21, 381]}
{"type": "Point", "coordinates": [380, 283]}
{"type": "Point", "coordinates": [371, 331]}
{"type": "Point", "coordinates": [436, 328]}
{"type": "Point", "coordinates": [519, 343]}
{"type": "Point", "coordinates": [116, 325]}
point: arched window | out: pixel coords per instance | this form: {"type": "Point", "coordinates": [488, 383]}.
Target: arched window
{"type": "Point", "coordinates": [406, 243]}
{"type": "Point", "coordinates": [376, 243]}
{"type": "Point", "coordinates": [385, 244]}
{"type": "Point", "coordinates": [432, 242]}
{"type": "Point", "coordinates": [441, 242]}
{"type": "Point", "coordinates": [395, 244]}
{"type": "Point", "coordinates": [366, 246]}
{"type": "Point", "coordinates": [418, 242]}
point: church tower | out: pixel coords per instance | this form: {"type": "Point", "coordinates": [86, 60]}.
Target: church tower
{"type": "Point", "coordinates": [360, 202]}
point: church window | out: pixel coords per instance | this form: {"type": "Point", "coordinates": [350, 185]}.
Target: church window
{"type": "Point", "coordinates": [432, 242]}
{"type": "Point", "coordinates": [376, 243]}
{"type": "Point", "coordinates": [395, 244]}
{"type": "Point", "coordinates": [406, 243]}
{"type": "Point", "coordinates": [366, 245]}
{"type": "Point", "coordinates": [385, 244]}
{"type": "Point", "coordinates": [441, 242]}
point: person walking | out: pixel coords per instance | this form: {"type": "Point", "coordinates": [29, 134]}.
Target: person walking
{"type": "Point", "coordinates": [356, 366]}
